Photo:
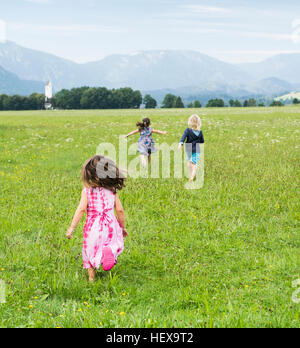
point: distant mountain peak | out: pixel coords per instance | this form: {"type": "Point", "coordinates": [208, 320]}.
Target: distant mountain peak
{"type": "Point", "coordinates": [153, 70]}
{"type": "Point", "coordinates": [12, 84]}
{"type": "Point", "coordinates": [283, 66]}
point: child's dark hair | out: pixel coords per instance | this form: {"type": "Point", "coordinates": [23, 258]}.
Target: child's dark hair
{"type": "Point", "coordinates": [100, 171]}
{"type": "Point", "coordinates": [144, 124]}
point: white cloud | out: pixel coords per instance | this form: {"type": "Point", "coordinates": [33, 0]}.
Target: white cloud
{"type": "Point", "coordinates": [296, 23]}
{"type": "Point", "coordinates": [196, 12]}
{"type": "Point", "coordinates": [262, 35]}
{"type": "Point", "coordinates": [76, 28]}
{"type": "Point", "coordinates": [204, 9]}
{"type": "Point", "coordinates": [192, 30]}
{"type": "Point", "coordinates": [88, 28]}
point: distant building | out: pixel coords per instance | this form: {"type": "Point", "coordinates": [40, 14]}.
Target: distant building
{"type": "Point", "coordinates": [48, 95]}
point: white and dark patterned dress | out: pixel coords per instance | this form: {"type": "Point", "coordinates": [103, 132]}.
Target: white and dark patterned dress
{"type": "Point", "coordinates": [146, 143]}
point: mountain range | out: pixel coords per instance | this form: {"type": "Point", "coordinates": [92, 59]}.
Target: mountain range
{"type": "Point", "coordinates": [25, 70]}
{"type": "Point", "coordinates": [11, 84]}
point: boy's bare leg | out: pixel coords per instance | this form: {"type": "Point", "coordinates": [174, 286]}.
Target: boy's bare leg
{"type": "Point", "coordinates": [92, 275]}
{"type": "Point", "coordinates": [189, 166]}
{"type": "Point", "coordinates": [194, 168]}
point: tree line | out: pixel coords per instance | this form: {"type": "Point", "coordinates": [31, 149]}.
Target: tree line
{"type": "Point", "coordinates": [98, 98]}
{"type": "Point", "coordinates": [16, 102]}
{"type": "Point", "coordinates": [80, 98]}
{"type": "Point", "coordinates": [122, 98]}
{"type": "Point", "coordinates": [172, 101]}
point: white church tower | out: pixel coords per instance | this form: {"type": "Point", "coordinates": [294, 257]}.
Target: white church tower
{"type": "Point", "coordinates": [48, 95]}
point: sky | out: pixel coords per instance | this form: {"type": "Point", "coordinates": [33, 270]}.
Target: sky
{"type": "Point", "coordinates": [235, 31]}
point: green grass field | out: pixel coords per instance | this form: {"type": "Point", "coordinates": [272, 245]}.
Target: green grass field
{"type": "Point", "coordinates": [222, 256]}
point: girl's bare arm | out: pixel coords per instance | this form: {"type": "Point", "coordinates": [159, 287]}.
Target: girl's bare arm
{"type": "Point", "coordinates": [132, 133]}
{"type": "Point", "coordinates": [81, 210]}
{"type": "Point", "coordinates": [120, 215]}
{"type": "Point", "coordinates": [159, 132]}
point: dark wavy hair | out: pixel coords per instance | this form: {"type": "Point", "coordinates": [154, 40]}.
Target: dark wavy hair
{"type": "Point", "coordinates": [100, 171]}
{"type": "Point", "coordinates": [144, 124]}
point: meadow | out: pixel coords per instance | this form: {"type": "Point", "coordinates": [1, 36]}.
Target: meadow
{"type": "Point", "coordinates": [222, 256]}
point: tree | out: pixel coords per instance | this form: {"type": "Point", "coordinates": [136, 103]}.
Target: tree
{"type": "Point", "coordinates": [78, 98]}
{"type": "Point", "coordinates": [178, 103]}
{"type": "Point", "coordinates": [16, 102]}
{"type": "Point", "coordinates": [69, 99]}
{"type": "Point", "coordinates": [276, 103]}
{"type": "Point", "coordinates": [95, 98]}
{"type": "Point", "coordinates": [215, 103]}
{"type": "Point", "coordinates": [252, 102]}
{"type": "Point", "coordinates": [64, 100]}
{"type": "Point", "coordinates": [296, 101]}
{"type": "Point", "coordinates": [126, 98]}
{"type": "Point", "coordinates": [4, 101]}
{"type": "Point", "coordinates": [36, 101]}
{"type": "Point", "coordinates": [261, 104]}
{"type": "Point", "coordinates": [150, 103]}
{"type": "Point", "coordinates": [76, 95]}
{"type": "Point", "coordinates": [197, 104]}
{"type": "Point", "coordinates": [235, 103]}
{"type": "Point", "coordinates": [137, 100]}
{"type": "Point", "coordinates": [101, 96]}
{"type": "Point", "coordinates": [169, 101]}
{"type": "Point", "coordinates": [89, 99]}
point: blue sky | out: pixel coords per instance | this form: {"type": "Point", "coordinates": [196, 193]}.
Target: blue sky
{"type": "Point", "coordinates": [87, 30]}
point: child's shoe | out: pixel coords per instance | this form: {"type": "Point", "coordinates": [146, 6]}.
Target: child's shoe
{"type": "Point", "coordinates": [108, 260]}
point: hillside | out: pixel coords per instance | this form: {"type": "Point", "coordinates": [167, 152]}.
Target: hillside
{"type": "Point", "coordinates": [289, 97]}
{"type": "Point", "coordinates": [12, 84]}
{"type": "Point", "coordinates": [283, 66]}
{"type": "Point", "coordinates": [165, 69]}
{"type": "Point", "coordinates": [189, 71]}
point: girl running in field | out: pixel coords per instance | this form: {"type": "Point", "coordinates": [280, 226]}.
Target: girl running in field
{"type": "Point", "coordinates": [193, 137]}
{"type": "Point", "coordinates": [146, 143]}
{"type": "Point", "coordinates": [103, 233]}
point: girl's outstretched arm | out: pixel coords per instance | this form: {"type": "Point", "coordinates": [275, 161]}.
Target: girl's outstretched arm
{"type": "Point", "coordinates": [132, 133]}
{"type": "Point", "coordinates": [120, 215]}
{"type": "Point", "coordinates": [159, 132]}
{"type": "Point", "coordinates": [81, 210]}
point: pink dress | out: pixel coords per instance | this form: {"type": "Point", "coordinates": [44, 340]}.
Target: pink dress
{"type": "Point", "coordinates": [102, 229]}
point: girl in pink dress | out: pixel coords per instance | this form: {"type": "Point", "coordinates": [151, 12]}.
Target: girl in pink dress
{"type": "Point", "coordinates": [103, 235]}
